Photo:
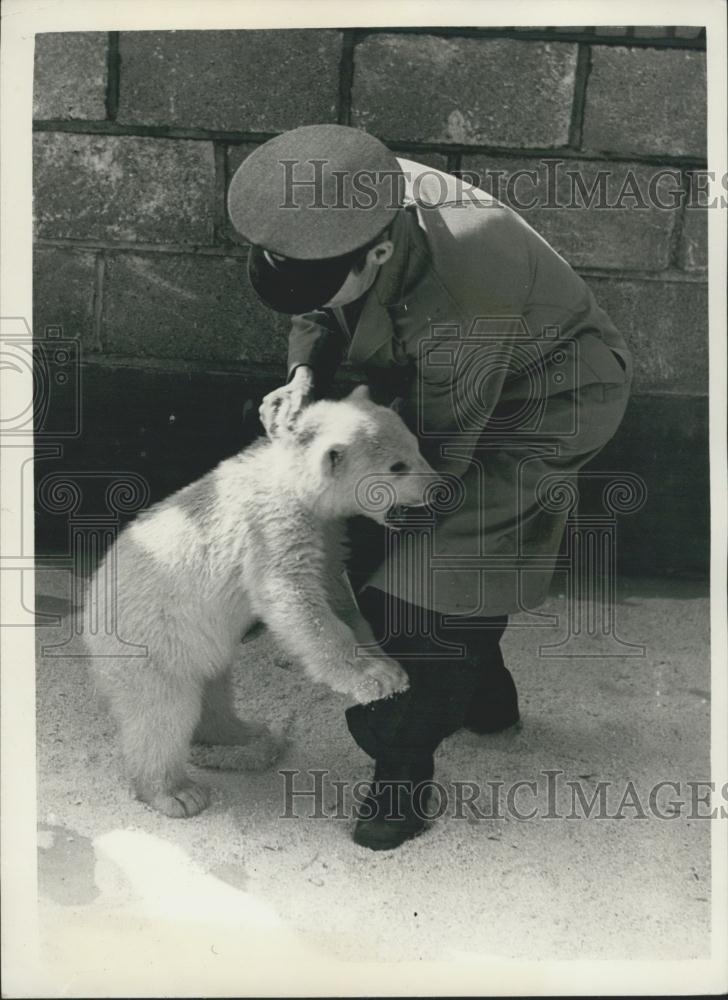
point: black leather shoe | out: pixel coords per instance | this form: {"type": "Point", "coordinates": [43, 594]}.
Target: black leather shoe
{"type": "Point", "coordinates": [494, 706]}
{"type": "Point", "coordinates": [395, 809]}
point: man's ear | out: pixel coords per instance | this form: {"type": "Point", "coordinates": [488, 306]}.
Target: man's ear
{"type": "Point", "coordinates": [381, 253]}
{"type": "Point", "coordinates": [332, 458]}
{"type": "Point", "coordinates": [360, 394]}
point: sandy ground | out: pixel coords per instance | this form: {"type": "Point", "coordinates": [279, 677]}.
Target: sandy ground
{"type": "Point", "coordinates": [241, 900]}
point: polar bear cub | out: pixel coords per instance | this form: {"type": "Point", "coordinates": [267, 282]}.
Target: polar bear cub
{"type": "Point", "coordinates": [259, 538]}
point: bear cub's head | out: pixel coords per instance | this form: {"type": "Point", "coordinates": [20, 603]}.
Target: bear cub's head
{"type": "Point", "coordinates": [355, 457]}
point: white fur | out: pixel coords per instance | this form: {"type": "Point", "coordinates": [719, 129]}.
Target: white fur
{"type": "Point", "coordinates": [258, 538]}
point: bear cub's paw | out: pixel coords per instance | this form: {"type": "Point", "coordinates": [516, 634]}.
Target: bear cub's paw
{"type": "Point", "coordinates": [380, 678]}
{"type": "Point", "coordinates": [189, 800]}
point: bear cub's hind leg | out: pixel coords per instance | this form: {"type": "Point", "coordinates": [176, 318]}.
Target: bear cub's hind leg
{"type": "Point", "coordinates": [156, 713]}
{"type": "Point", "coordinates": [223, 740]}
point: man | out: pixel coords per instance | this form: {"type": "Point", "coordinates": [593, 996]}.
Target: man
{"type": "Point", "coordinates": [496, 355]}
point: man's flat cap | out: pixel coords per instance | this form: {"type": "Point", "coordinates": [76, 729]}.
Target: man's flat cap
{"type": "Point", "coordinates": [307, 201]}
{"type": "Point", "coordinates": [319, 191]}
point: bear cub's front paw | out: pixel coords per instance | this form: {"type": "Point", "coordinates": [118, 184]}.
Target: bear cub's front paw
{"type": "Point", "coordinates": [380, 678]}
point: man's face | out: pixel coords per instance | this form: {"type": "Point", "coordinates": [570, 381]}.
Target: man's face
{"type": "Point", "coordinates": [361, 278]}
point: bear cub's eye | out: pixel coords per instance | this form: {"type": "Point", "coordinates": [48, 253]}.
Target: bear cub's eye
{"type": "Point", "coordinates": [398, 467]}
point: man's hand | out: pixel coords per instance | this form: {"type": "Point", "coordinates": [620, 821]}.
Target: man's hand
{"type": "Point", "coordinates": [280, 409]}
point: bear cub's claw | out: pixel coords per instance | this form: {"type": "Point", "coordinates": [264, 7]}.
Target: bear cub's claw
{"type": "Point", "coordinates": [184, 802]}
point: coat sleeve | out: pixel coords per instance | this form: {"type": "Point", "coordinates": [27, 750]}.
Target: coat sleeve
{"type": "Point", "coordinates": [316, 340]}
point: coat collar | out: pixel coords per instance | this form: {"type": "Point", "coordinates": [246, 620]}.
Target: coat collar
{"type": "Point", "coordinates": [397, 278]}
{"type": "Point", "coordinates": [373, 329]}
{"type": "Point", "coordinates": [408, 293]}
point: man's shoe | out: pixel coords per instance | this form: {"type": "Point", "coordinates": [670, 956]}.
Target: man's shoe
{"type": "Point", "coordinates": [494, 706]}
{"type": "Point", "coordinates": [395, 808]}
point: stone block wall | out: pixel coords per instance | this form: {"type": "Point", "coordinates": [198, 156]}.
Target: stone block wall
{"type": "Point", "coordinates": [137, 135]}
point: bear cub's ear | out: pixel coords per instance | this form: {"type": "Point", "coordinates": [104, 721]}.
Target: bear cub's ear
{"type": "Point", "coordinates": [360, 395]}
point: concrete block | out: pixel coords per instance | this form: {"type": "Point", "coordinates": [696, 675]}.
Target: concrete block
{"type": "Point", "coordinates": [199, 307]}
{"type": "Point", "coordinates": [693, 254]}
{"type": "Point", "coordinates": [666, 324]}
{"type": "Point", "coordinates": [70, 75]}
{"type": "Point", "coordinates": [693, 249]}
{"type": "Point", "coordinates": [642, 100]}
{"type": "Point", "coordinates": [63, 292]}
{"type": "Point", "coordinates": [98, 187]}
{"type": "Point", "coordinates": [495, 91]}
{"type": "Point", "coordinates": [595, 214]}
{"type": "Point", "coordinates": [235, 154]}
{"type": "Point", "coordinates": [255, 81]}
